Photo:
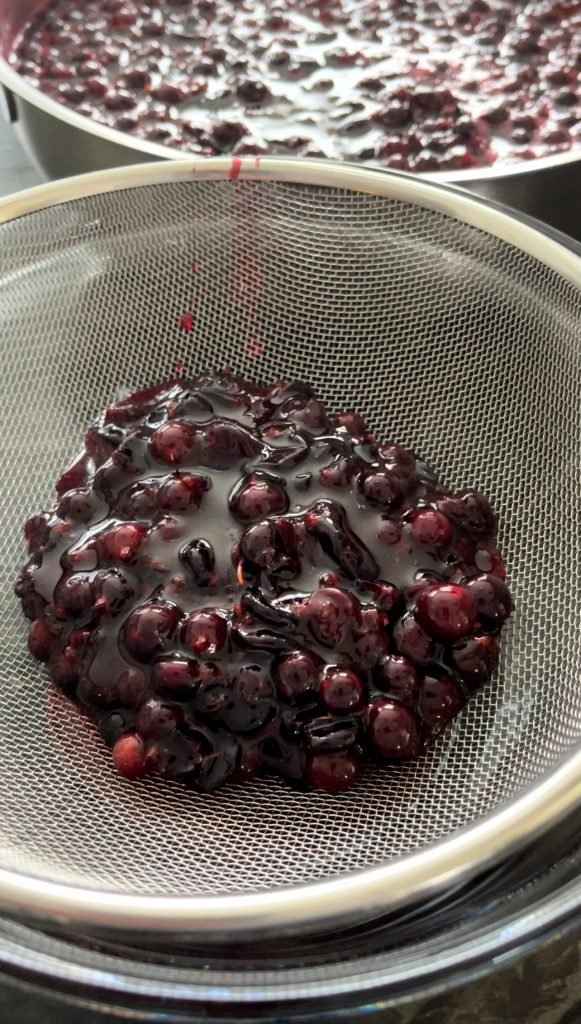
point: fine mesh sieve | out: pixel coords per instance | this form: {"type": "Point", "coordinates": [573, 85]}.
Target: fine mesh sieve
{"type": "Point", "coordinates": [456, 329]}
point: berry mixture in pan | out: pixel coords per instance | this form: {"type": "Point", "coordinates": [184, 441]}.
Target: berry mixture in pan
{"type": "Point", "coordinates": [236, 581]}
{"type": "Point", "coordinates": [420, 85]}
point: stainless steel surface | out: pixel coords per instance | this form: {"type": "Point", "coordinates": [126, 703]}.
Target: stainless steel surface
{"type": "Point", "coordinates": [63, 143]}
{"type": "Point", "coordinates": [16, 171]}
{"type": "Point", "coordinates": [456, 329]}
{"type": "Point", "coordinates": [504, 949]}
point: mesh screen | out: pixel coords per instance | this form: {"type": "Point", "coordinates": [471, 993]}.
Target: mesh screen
{"type": "Point", "coordinates": [449, 340]}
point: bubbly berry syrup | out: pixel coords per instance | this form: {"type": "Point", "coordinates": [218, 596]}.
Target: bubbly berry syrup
{"type": "Point", "coordinates": [420, 85]}
{"type": "Point", "coordinates": [236, 581]}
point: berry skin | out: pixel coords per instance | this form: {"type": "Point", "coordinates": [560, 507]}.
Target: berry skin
{"type": "Point", "coordinates": [476, 659]}
{"type": "Point", "coordinates": [380, 489]}
{"type": "Point", "coordinates": [413, 642]}
{"type": "Point", "coordinates": [156, 719]}
{"type": "Point", "coordinates": [182, 492]}
{"type": "Point", "coordinates": [342, 690]}
{"type": "Point", "coordinates": [354, 423]}
{"type": "Point", "coordinates": [331, 614]}
{"type": "Point", "coordinates": [397, 677]}
{"type": "Point", "coordinates": [440, 699]}
{"type": "Point", "coordinates": [176, 676]}
{"type": "Point", "coordinates": [429, 526]}
{"type": "Point", "coordinates": [334, 773]}
{"type": "Point", "coordinates": [200, 562]}
{"type": "Point", "coordinates": [129, 756]}
{"type": "Point", "coordinates": [173, 443]}
{"type": "Point", "coordinates": [492, 599]}
{"type": "Point", "coordinates": [40, 641]}
{"type": "Point", "coordinates": [446, 611]}
{"type": "Point", "coordinates": [122, 543]}
{"type": "Point", "coordinates": [205, 633]}
{"type": "Point", "coordinates": [150, 628]}
{"type": "Point", "coordinates": [297, 675]}
{"type": "Point", "coordinates": [78, 505]}
{"type": "Point", "coordinates": [257, 499]}
{"type": "Point", "coordinates": [392, 730]}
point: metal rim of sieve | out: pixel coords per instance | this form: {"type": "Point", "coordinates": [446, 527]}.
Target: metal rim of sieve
{"type": "Point", "coordinates": [438, 865]}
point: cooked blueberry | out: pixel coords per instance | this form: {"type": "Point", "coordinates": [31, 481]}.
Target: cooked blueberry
{"type": "Point", "coordinates": [380, 488]}
{"type": "Point", "coordinates": [297, 674]}
{"type": "Point", "coordinates": [440, 699]}
{"type": "Point", "coordinates": [122, 543]}
{"type": "Point", "coordinates": [79, 505]}
{"type": "Point", "coordinates": [429, 526]}
{"type": "Point", "coordinates": [492, 599]}
{"type": "Point", "coordinates": [156, 719]}
{"type": "Point", "coordinates": [205, 632]}
{"type": "Point", "coordinates": [129, 756]}
{"type": "Point", "coordinates": [177, 677]}
{"type": "Point", "coordinates": [112, 590]}
{"type": "Point", "coordinates": [331, 615]}
{"type": "Point", "coordinates": [217, 621]}
{"type": "Point", "coordinates": [476, 659]}
{"type": "Point", "coordinates": [446, 611]}
{"type": "Point", "coordinates": [334, 773]}
{"type": "Point", "coordinates": [393, 729]}
{"type": "Point", "coordinates": [342, 690]}
{"type": "Point", "coordinates": [397, 677]}
{"type": "Point", "coordinates": [327, 734]}
{"type": "Point", "coordinates": [258, 498]}
{"type": "Point", "coordinates": [173, 443]}
{"type": "Point", "coordinates": [150, 629]}
{"type": "Point", "coordinates": [182, 492]}
{"type": "Point", "coordinates": [199, 560]}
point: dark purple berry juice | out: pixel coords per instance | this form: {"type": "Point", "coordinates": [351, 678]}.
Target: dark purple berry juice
{"type": "Point", "coordinates": [417, 85]}
{"type": "Point", "coordinates": [235, 581]}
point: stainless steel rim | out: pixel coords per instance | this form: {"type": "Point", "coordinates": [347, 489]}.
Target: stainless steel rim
{"type": "Point", "coordinates": [12, 80]}
{"type": "Point", "coordinates": [414, 876]}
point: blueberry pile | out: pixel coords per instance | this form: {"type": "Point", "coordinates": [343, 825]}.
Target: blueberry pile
{"type": "Point", "coordinates": [416, 85]}
{"type": "Point", "coordinates": [235, 581]}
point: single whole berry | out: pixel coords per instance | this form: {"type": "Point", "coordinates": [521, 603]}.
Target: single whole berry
{"type": "Point", "coordinates": [335, 773]}
{"type": "Point", "coordinates": [413, 642]}
{"type": "Point", "coordinates": [392, 730]}
{"type": "Point", "coordinates": [175, 676]}
{"type": "Point", "coordinates": [156, 719]}
{"type": "Point", "coordinates": [297, 675]}
{"type": "Point", "coordinates": [40, 640]}
{"type": "Point", "coordinates": [381, 489]}
{"type": "Point", "coordinates": [182, 492]}
{"type": "Point", "coordinates": [257, 499]}
{"type": "Point", "coordinates": [129, 756]}
{"type": "Point", "coordinates": [446, 611]}
{"type": "Point", "coordinates": [492, 599]}
{"type": "Point", "coordinates": [173, 442]}
{"type": "Point", "coordinates": [122, 543]}
{"type": "Point", "coordinates": [205, 632]}
{"type": "Point", "coordinates": [342, 690]}
{"type": "Point", "coordinates": [397, 677]}
{"type": "Point", "coordinates": [150, 629]}
{"type": "Point", "coordinates": [331, 614]}
{"type": "Point", "coordinates": [429, 526]}
{"type": "Point", "coordinates": [440, 699]}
